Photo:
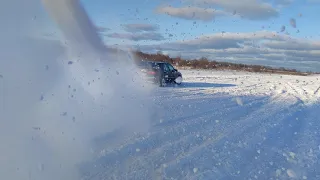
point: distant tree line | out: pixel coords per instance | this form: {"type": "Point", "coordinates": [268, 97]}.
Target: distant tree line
{"type": "Point", "coordinates": [204, 63]}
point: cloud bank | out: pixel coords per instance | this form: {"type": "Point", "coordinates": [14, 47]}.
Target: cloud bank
{"type": "Point", "coordinates": [275, 46]}
{"type": "Point", "coordinates": [140, 27]}
{"type": "Point", "coordinates": [138, 36]}
{"type": "Point", "coordinates": [192, 13]}
{"type": "Point", "coordinates": [261, 47]}
{"type": "Point", "coordinates": [138, 32]}
{"type": "Point", "coordinates": [201, 9]}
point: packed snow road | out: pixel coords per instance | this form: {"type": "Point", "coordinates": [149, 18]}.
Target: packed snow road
{"type": "Point", "coordinates": [223, 125]}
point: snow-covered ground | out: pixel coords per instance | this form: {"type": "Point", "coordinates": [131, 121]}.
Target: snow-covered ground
{"type": "Point", "coordinates": [216, 125]}
{"type": "Point", "coordinates": [222, 125]}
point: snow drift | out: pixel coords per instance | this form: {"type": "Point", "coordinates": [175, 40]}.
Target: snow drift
{"type": "Point", "coordinates": [56, 96]}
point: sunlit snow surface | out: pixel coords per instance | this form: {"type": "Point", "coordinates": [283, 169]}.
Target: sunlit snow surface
{"type": "Point", "coordinates": [67, 115]}
{"type": "Point", "coordinates": [223, 125]}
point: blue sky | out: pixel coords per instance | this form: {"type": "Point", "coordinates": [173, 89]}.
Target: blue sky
{"type": "Point", "coordinates": [247, 31]}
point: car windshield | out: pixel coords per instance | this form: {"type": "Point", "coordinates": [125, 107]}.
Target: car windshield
{"type": "Point", "coordinates": [159, 89]}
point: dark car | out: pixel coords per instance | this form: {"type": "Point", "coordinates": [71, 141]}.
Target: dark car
{"type": "Point", "coordinates": [160, 72]}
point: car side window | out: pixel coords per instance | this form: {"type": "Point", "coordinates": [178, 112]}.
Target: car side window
{"type": "Point", "coordinates": [165, 68]}
{"type": "Point", "coordinates": [170, 67]}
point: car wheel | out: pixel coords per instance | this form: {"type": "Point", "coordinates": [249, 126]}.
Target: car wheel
{"type": "Point", "coordinates": [162, 81]}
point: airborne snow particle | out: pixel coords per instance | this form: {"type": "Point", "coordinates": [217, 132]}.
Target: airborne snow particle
{"type": "Point", "coordinates": [195, 170]}
{"type": "Point", "coordinates": [304, 177]}
{"type": "Point", "coordinates": [291, 173]}
{"type": "Point", "coordinates": [292, 155]}
{"type": "Point", "coordinates": [239, 101]}
{"type": "Point", "coordinates": [137, 150]}
{"type": "Point", "coordinates": [36, 128]}
{"type": "Point", "coordinates": [293, 23]}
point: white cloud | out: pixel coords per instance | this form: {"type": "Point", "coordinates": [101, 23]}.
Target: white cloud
{"type": "Point", "coordinates": [293, 45]}
{"type": "Point", "coordinates": [140, 27]}
{"type": "Point", "coordinates": [138, 32]}
{"type": "Point", "coordinates": [137, 36]}
{"type": "Point", "coordinates": [262, 47]}
{"type": "Point", "coordinates": [192, 13]}
{"type": "Point", "coordinates": [248, 9]}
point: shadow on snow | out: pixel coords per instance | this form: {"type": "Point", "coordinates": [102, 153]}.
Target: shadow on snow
{"type": "Point", "coordinates": [199, 85]}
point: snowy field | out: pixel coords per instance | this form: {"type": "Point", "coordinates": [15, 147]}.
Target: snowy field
{"type": "Point", "coordinates": [67, 100]}
{"type": "Point", "coordinates": [222, 125]}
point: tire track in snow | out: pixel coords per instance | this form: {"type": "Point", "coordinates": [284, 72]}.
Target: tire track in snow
{"type": "Point", "coordinates": [185, 140]}
{"type": "Point", "coordinates": [170, 144]}
{"type": "Point", "coordinates": [186, 136]}
{"type": "Point", "coordinates": [298, 93]}
{"type": "Point", "coordinates": [228, 107]}
{"type": "Point", "coordinates": [284, 150]}
{"type": "Point", "coordinates": [266, 168]}
{"type": "Point", "coordinates": [175, 136]}
{"type": "Point", "coordinates": [235, 131]}
{"type": "Point", "coordinates": [273, 137]}
{"type": "Point", "coordinates": [316, 92]}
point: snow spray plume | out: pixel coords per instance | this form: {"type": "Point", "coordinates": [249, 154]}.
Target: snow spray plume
{"type": "Point", "coordinates": [56, 98]}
